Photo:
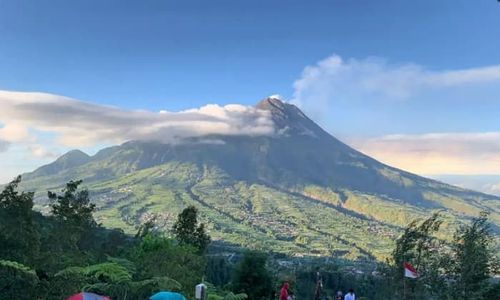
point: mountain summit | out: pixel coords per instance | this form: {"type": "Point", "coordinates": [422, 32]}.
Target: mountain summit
{"type": "Point", "coordinates": [288, 118]}
{"type": "Point", "coordinates": [300, 191]}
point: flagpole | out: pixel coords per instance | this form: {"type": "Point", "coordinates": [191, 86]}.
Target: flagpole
{"type": "Point", "coordinates": [404, 278]}
{"type": "Point", "coordinates": [404, 287]}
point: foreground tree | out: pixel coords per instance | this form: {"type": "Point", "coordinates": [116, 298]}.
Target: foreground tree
{"type": "Point", "coordinates": [252, 276]}
{"type": "Point", "coordinates": [158, 256]}
{"type": "Point", "coordinates": [473, 258]}
{"type": "Point", "coordinates": [19, 238]}
{"type": "Point", "coordinates": [73, 211]}
{"type": "Point", "coordinates": [418, 246]}
{"type": "Point", "coordinates": [188, 232]}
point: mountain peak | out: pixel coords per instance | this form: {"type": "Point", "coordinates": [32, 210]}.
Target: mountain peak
{"type": "Point", "coordinates": [71, 159]}
{"type": "Point", "coordinates": [75, 153]}
{"type": "Point", "coordinates": [279, 108]}
{"type": "Point", "coordinates": [288, 118]}
{"type": "Point", "coordinates": [273, 101]}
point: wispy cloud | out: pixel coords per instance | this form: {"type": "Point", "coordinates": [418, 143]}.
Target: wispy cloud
{"type": "Point", "coordinates": [374, 98]}
{"type": "Point", "coordinates": [77, 123]}
{"type": "Point", "coordinates": [40, 151]}
{"type": "Point", "coordinates": [14, 132]}
{"type": "Point", "coordinates": [437, 153]}
{"type": "Point", "coordinates": [334, 80]}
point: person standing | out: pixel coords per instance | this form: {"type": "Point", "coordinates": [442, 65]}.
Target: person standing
{"type": "Point", "coordinates": [284, 292]}
{"type": "Point", "coordinates": [350, 295]}
{"type": "Point", "coordinates": [339, 296]}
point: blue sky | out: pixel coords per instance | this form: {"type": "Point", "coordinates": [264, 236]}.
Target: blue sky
{"type": "Point", "coordinates": [180, 54]}
{"type": "Point", "coordinates": [177, 55]}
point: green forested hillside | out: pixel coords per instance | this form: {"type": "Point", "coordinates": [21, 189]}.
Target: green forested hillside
{"type": "Point", "coordinates": [301, 191]}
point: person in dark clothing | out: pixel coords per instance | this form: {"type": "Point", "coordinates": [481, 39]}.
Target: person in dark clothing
{"type": "Point", "coordinates": [339, 296]}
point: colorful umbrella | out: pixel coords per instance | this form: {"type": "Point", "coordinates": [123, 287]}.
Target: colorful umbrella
{"type": "Point", "coordinates": [167, 296]}
{"type": "Point", "coordinates": [88, 296]}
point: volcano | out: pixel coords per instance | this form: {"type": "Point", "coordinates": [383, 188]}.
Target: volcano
{"type": "Point", "coordinates": [299, 191]}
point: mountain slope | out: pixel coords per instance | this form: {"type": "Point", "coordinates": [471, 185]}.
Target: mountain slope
{"type": "Point", "coordinates": [300, 191]}
{"type": "Point", "coordinates": [70, 160]}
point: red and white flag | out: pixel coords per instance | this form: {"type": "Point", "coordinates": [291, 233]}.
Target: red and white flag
{"type": "Point", "coordinates": [410, 271]}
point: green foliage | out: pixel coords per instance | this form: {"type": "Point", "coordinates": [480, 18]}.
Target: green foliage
{"type": "Point", "coordinates": [218, 270]}
{"type": "Point", "coordinates": [146, 228]}
{"type": "Point", "coordinates": [75, 254]}
{"type": "Point", "coordinates": [109, 272]}
{"type": "Point", "coordinates": [252, 276]}
{"type": "Point", "coordinates": [416, 240]}
{"type": "Point", "coordinates": [109, 279]}
{"type": "Point", "coordinates": [106, 278]}
{"type": "Point", "coordinates": [188, 232]}
{"type": "Point", "coordinates": [295, 218]}
{"type": "Point", "coordinates": [145, 288]}
{"type": "Point", "coordinates": [493, 291]}
{"type": "Point", "coordinates": [418, 246]}
{"type": "Point", "coordinates": [231, 296]}
{"type": "Point", "coordinates": [19, 238]}
{"type": "Point", "coordinates": [73, 210]}
{"type": "Point", "coordinates": [114, 278]}
{"type": "Point", "coordinates": [73, 206]}
{"type": "Point", "coordinates": [215, 293]}
{"type": "Point", "coordinates": [458, 270]}
{"type": "Point", "coordinates": [158, 256]}
{"type": "Point", "coordinates": [472, 259]}
{"type": "Point", "coordinates": [67, 282]}
{"type": "Point", "coordinates": [17, 281]}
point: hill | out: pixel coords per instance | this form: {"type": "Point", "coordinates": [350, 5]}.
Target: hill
{"type": "Point", "coordinates": [300, 191]}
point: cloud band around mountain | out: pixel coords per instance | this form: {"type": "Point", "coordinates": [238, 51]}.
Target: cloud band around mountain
{"type": "Point", "coordinates": [79, 124]}
{"type": "Point", "coordinates": [24, 117]}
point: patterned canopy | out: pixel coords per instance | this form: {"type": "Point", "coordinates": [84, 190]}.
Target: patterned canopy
{"type": "Point", "coordinates": [167, 296]}
{"type": "Point", "coordinates": [88, 296]}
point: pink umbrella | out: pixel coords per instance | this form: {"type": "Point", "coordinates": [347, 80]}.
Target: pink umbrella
{"type": "Point", "coordinates": [88, 296]}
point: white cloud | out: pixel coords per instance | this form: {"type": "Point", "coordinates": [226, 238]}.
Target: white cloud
{"type": "Point", "coordinates": [40, 151]}
{"type": "Point", "coordinates": [79, 124]}
{"type": "Point", "coordinates": [335, 80]}
{"type": "Point", "coordinates": [437, 153]}
{"type": "Point", "coordinates": [15, 132]}
{"type": "Point", "coordinates": [372, 97]}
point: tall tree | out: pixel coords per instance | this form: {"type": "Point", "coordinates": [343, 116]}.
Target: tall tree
{"type": "Point", "coordinates": [418, 246]}
{"type": "Point", "coordinates": [187, 231]}
{"type": "Point", "coordinates": [73, 211]}
{"type": "Point", "coordinates": [19, 238]}
{"type": "Point", "coordinates": [473, 257]}
{"type": "Point", "coordinates": [158, 256]}
{"type": "Point", "coordinates": [252, 276]}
